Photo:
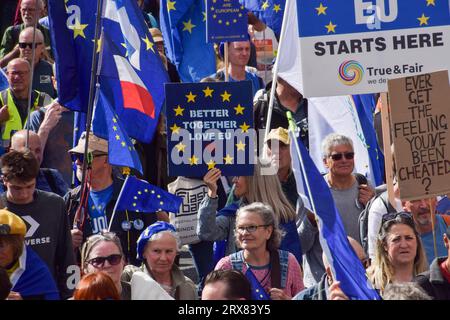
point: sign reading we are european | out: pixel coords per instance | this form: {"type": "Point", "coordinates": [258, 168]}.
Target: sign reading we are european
{"type": "Point", "coordinates": [209, 125]}
{"type": "Point", "coordinates": [226, 21]}
{"type": "Point", "coordinates": [360, 44]}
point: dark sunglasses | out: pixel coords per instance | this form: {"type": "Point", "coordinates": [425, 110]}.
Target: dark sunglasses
{"type": "Point", "coordinates": [23, 45]}
{"type": "Point", "coordinates": [394, 216]}
{"type": "Point", "coordinates": [80, 156]}
{"type": "Point", "coordinates": [338, 156]}
{"type": "Point", "coordinates": [99, 262]}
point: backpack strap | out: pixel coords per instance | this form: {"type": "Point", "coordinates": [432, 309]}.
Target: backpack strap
{"type": "Point", "coordinates": [237, 260]}
{"type": "Point", "coordinates": [387, 204]}
{"type": "Point", "coordinates": [275, 271]}
{"type": "Point", "coordinates": [284, 263]}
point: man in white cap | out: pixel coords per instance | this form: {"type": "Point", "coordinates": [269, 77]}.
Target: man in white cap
{"type": "Point", "coordinates": [91, 214]}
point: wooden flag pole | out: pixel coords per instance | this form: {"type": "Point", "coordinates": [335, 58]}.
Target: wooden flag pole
{"type": "Point", "coordinates": [388, 158]}
{"type": "Point", "coordinates": [226, 61]}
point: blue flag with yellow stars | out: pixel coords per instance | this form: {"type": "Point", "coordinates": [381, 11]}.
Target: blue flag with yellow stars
{"type": "Point", "coordinates": [106, 125]}
{"type": "Point", "coordinates": [258, 292]}
{"type": "Point", "coordinates": [209, 125]}
{"type": "Point", "coordinates": [3, 80]}
{"type": "Point", "coordinates": [183, 25]}
{"type": "Point", "coordinates": [132, 74]}
{"type": "Point", "coordinates": [140, 196]}
{"type": "Point", "coordinates": [72, 29]}
{"type": "Point", "coordinates": [269, 11]}
{"type": "Point", "coordinates": [226, 21]}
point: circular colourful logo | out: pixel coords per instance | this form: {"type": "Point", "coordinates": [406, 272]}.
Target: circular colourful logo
{"type": "Point", "coordinates": [350, 72]}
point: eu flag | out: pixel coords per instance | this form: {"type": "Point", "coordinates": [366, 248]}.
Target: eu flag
{"type": "Point", "coordinates": [183, 25]}
{"type": "Point", "coordinates": [140, 196]}
{"type": "Point", "coordinates": [132, 74]}
{"type": "Point", "coordinates": [106, 125]}
{"type": "Point", "coordinates": [343, 260]}
{"type": "Point", "coordinates": [3, 80]}
{"type": "Point", "coordinates": [269, 11]}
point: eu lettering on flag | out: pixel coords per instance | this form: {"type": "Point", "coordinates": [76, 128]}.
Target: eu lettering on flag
{"type": "Point", "coordinates": [226, 21]}
{"type": "Point", "coordinates": [132, 74]}
{"type": "Point", "coordinates": [360, 44]}
{"type": "Point", "coordinates": [140, 196]}
{"type": "Point", "coordinates": [183, 25]}
{"type": "Point", "coordinates": [344, 262]}
{"type": "Point", "coordinates": [72, 29]}
{"type": "Point", "coordinates": [106, 125]}
{"type": "Point", "coordinates": [209, 126]}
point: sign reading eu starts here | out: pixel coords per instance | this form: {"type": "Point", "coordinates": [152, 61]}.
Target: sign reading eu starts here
{"type": "Point", "coordinates": [209, 125]}
{"type": "Point", "coordinates": [360, 44]}
{"type": "Point", "coordinates": [226, 21]}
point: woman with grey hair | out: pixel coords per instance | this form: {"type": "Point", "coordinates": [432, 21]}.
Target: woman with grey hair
{"type": "Point", "coordinates": [157, 247]}
{"type": "Point", "coordinates": [274, 274]}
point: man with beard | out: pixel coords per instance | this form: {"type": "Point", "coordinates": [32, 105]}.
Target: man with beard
{"type": "Point", "coordinates": [420, 210]}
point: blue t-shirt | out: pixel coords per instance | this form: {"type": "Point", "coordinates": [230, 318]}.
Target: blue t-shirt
{"type": "Point", "coordinates": [257, 84]}
{"type": "Point", "coordinates": [98, 200]}
{"type": "Point", "coordinates": [427, 240]}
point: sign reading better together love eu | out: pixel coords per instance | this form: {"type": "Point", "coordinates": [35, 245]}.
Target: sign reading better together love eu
{"type": "Point", "coordinates": [355, 46]}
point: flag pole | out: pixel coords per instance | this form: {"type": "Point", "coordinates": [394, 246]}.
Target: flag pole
{"type": "Point", "coordinates": [433, 228]}
{"type": "Point", "coordinates": [225, 52]}
{"type": "Point", "coordinates": [275, 77]}
{"type": "Point", "coordinates": [33, 58]}
{"type": "Point", "coordinates": [117, 201]}
{"type": "Point", "coordinates": [92, 90]}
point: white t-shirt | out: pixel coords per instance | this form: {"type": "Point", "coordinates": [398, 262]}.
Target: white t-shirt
{"type": "Point", "coordinates": [266, 45]}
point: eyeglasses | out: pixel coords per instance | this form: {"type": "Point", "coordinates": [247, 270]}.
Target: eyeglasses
{"type": "Point", "coordinates": [80, 156]}
{"type": "Point", "coordinates": [394, 216]}
{"type": "Point", "coordinates": [23, 45]}
{"type": "Point", "coordinates": [338, 156]}
{"type": "Point", "coordinates": [250, 229]}
{"type": "Point", "coordinates": [99, 262]}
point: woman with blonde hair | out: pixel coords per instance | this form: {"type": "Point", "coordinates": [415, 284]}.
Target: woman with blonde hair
{"type": "Point", "coordinates": [219, 226]}
{"type": "Point", "coordinates": [399, 254]}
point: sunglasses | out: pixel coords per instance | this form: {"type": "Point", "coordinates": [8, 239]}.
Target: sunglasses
{"type": "Point", "coordinates": [80, 156]}
{"type": "Point", "coordinates": [99, 262]}
{"type": "Point", "coordinates": [394, 216]}
{"type": "Point", "coordinates": [338, 156]}
{"type": "Point", "coordinates": [23, 45]}
{"type": "Point", "coordinates": [250, 229]}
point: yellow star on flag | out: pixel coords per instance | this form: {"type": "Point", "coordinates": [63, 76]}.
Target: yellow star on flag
{"type": "Point", "coordinates": [265, 5]}
{"type": "Point", "coordinates": [123, 144]}
{"type": "Point", "coordinates": [228, 159]}
{"type": "Point", "coordinates": [240, 146]}
{"type": "Point", "coordinates": [148, 43]}
{"type": "Point", "coordinates": [171, 5]}
{"type": "Point", "coordinates": [208, 92]}
{"type": "Point", "coordinates": [239, 109]}
{"type": "Point", "coordinates": [431, 2]}
{"type": "Point", "coordinates": [330, 27]}
{"type": "Point", "coordinates": [114, 128]}
{"type": "Point", "coordinates": [190, 97]}
{"type": "Point", "coordinates": [175, 129]}
{"type": "Point", "coordinates": [193, 160]}
{"type": "Point", "coordinates": [225, 96]}
{"type": "Point", "coordinates": [423, 19]}
{"type": "Point", "coordinates": [178, 111]}
{"type": "Point", "coordinates": [244, 127]}
{"type": "Point", "coordinates": [180, 147]}
{"type": "Point", "coordinates": [211, 164]}
{"type": "Point", "coordinates": [117, 137]}
{"type": "Point", "coordinates": [114, 120]}
{"type": "Point", "coordinates": [78, 29]}
{"type": "Point", "coordinates": [188, 26]}
{"type": "Point", "coordinates": [99, 44]}
{"type": "Point", "coordinates": [276, 8]}
{"type": "Point", "coordinates": [204, 16]}
{"type": "Point", "coordinates": [321, 9]}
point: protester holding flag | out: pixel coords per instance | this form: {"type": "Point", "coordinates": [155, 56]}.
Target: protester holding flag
{"type": "Point", "coordinates": [274, 274]}
{"type": "Point", "coordinates": [157, 247]}
{"type": "Point", "coordinates": [29, 275]}
{"type": "Point", "coordinates": [256, 188]}
{"type": "Point", "coordinates": [91, 212]}
{"type": "Point", "coordinates": [103, 252]}
{"type": "Point", "coordinates": [399, 255]}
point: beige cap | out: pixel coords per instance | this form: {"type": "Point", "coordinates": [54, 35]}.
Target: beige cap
{"type": "Point", "coordinates": [11, 223]}
{"type": "Point", "coordinates": [156, 35]}
{"type": "Point", "coordinates": [280, 134]}
{"type": "Point", "coordinates": [95, 144]}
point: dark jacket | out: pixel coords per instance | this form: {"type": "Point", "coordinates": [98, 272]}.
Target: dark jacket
{"type": "Point", "coordinates": [127, 238]}
{"type": "Point", "coordinates": [315, 292]}
{"type": "Point", "coordinates": [433, 282]}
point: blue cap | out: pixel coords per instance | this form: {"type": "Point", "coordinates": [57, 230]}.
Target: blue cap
{"type": "Point", "coordinates": [151, 230]}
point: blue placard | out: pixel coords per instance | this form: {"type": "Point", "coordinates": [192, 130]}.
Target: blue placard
{"type": "Point", "coordinates": [329, 17]}
{"type": "Point", "coordinates": [210, 125]}
{"type": "Point", "coordinates": [226, 21]}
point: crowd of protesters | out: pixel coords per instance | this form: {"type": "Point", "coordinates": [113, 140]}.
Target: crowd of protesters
{"type": "Point", "coordinates": [256, 238]}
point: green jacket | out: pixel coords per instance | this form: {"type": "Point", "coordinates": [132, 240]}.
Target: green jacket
{"type": "Point", "coordinates": [11, 38]}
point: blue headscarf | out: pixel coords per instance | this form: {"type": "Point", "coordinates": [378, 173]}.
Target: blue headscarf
{"type": "Point", "coordinates": [151, 230]}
